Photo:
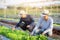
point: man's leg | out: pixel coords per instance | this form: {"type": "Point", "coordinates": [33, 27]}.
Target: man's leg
{"type": "Point", "coordinates": [38, 32]}
{"type": "Point", "coordinates": [23, 26]}
{"type": "Point", "coordinates": [32, 25]}
{"type": "Point", "coordinates": [50, 33]}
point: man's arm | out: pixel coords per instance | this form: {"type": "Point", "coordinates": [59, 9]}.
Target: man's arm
{"type": "Point", "coordinates": [13, 28]}
{"type": "Point", "coordinates": [31, 18]}
{"type": "Point", "coordinates": [38, 24]}
{"type": "Point", "coordinates": [32, 21]}
{"type": "Point", "coordinates": [17, 25]}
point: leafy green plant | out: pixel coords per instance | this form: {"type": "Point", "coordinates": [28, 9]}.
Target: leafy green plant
{"type": "Point", "coordinates": [19, 34]}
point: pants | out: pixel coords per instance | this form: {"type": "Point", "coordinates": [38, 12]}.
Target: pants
{"type": "Point", "coordinates": [24, 26]}
{"type": "Point", "coordinates": [39, 31]}
{"type": "Point", "coordinates": [49, 32]}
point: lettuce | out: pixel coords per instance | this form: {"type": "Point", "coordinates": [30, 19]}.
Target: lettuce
{"type": "Point", "coordinates": [19, 34]}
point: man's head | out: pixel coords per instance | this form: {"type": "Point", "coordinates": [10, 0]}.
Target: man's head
{"type": "Point", "coordinates": [22, 14]}
{"type": "Point", "coordinates": [45, 14]}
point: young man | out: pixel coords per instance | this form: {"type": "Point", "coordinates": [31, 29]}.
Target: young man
{"type": "Point", "coordinates": [26, 21]}
{"type": "Point", "coordinates": [44, 25]}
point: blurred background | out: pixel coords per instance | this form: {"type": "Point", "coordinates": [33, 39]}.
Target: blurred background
{"type": "Point", "coordinates": [9, 9]}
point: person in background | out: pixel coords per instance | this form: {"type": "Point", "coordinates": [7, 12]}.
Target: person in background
{"type": "Point", "coordinates": [44, 25]}
{"type": "Point", "coordinates": [26, 21]}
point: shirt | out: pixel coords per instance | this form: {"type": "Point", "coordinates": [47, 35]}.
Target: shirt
{"type": "Point", "coordinates": [44, 24]}
{"type": "Point", "coordinates": [28, 20]}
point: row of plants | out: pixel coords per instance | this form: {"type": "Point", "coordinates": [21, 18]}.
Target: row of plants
{"type": "Point", "coordinates": [19, 34]}
{"type": "Point", "coordinates": [16, 20]}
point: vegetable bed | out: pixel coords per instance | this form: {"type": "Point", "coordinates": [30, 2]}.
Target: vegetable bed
{"type": "Point", "coordinates": [19, 34]}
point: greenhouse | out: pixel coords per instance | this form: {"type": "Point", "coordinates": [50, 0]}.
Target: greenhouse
{"type": "Point", "coordinates": [9, 10]}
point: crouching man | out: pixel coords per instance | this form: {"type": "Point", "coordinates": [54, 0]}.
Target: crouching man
{"type": "Point", "coordinates": [44, 25]}
{"type": "Point", "coordinates": [26, 21]}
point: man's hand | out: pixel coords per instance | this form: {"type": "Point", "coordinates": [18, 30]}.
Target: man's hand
{"type": "Point", "coordinates": [31, 33]}
{"type": "Point", "coordinates": [43, 33]}
{"type": "Point", "coordinates": [37, 30]}
{"type": "Point", "coordinates": [13, 28]}
{"type": "Point", "coordinates": [28, 26]}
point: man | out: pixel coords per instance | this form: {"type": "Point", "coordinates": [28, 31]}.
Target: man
{"type": "Point", "coordinates": [26, 21]}
{"type": "Point", "coordinates": [44, 25]}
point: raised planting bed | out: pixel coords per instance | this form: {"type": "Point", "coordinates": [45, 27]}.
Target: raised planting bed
{"type": "Point", "coordinates": [56, 29]}
{"type": "Point", "coordinates": [13, 22]}
{"type": "Point", "coordinates": [19, 34]}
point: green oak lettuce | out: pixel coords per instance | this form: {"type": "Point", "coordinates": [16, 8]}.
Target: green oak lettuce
{"type": "Point", "coordinates": [19, 34]}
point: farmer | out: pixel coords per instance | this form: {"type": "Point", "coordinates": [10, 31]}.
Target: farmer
{"type": "Point", "coordinates": [44, 25]}
{"type": "Point", "coordinates": [26, 21]}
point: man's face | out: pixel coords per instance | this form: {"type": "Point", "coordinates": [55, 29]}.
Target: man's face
{"type": "Point", "coordinates": [23, 15]}
{"type": "Point", "coordinates": [46, 17]}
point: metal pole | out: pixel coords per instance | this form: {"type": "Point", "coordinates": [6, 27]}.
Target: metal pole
{"type": "Point", "coordinates": [4, 13]}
